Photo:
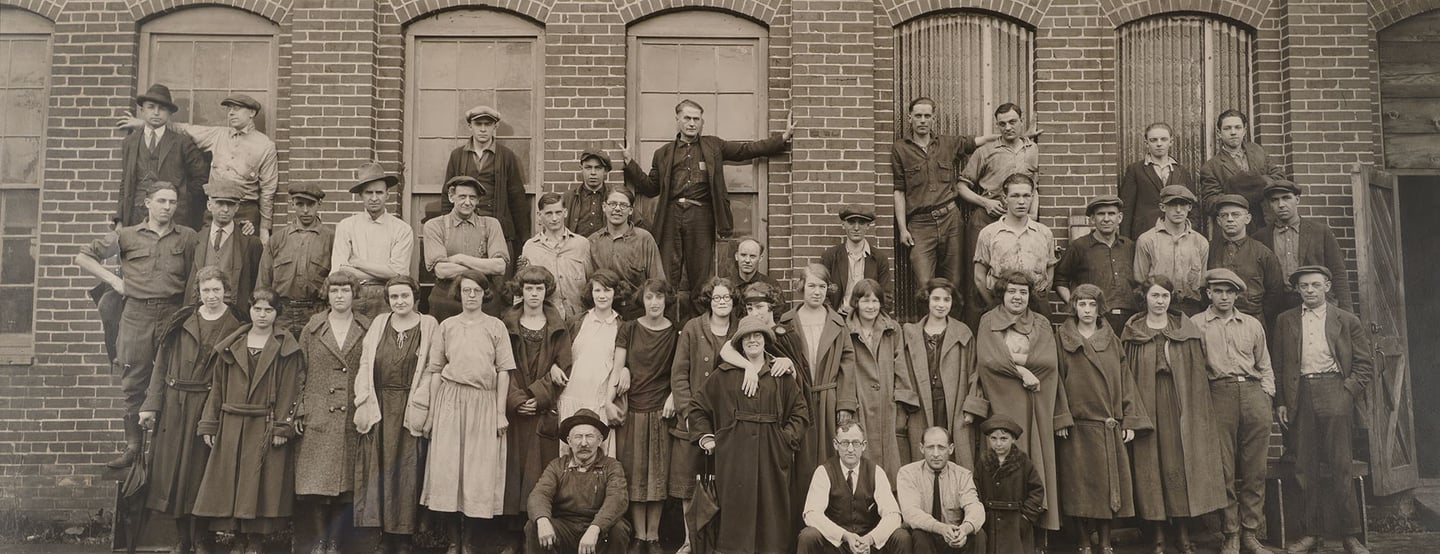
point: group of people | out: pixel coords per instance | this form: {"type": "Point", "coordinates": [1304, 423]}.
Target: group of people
{"type": "Point", "coordinates": [554, 397]}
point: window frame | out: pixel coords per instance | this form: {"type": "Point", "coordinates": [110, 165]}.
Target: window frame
{"type": "Point", "coordinates": [214, 21]}
{"type": "Point", "coordinates": [15, 23]}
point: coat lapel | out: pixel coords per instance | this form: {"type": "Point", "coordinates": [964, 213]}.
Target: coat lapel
{"type": "Point", "coordinates": [919, 365]}
{"type": "Point", "coordinates": [262, 365]}
{"type": "Point", "coordinates": [166, 144]}
{"type": "Point", "coordinates": [950, 380]}
{"type": "Point", "coordinates": [834, 326]}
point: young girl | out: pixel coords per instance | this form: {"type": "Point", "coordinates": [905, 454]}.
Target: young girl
{"type": "Point", "coordinates": [939, 356]}
{"type": "Point", "coordinates": [643, 442]}
{"type": "Point", "coordinates": [1010, 487]}
{"type": "Point", "coordinates": [598, 376]}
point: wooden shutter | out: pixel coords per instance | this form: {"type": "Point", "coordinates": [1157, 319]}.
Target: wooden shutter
{"type": "Point", "coordinates": [969, 63]}
{"type": "Point", "coordinates": [1410, 92]}
{"type": "Point", "coordinates": [207, 54]}
{"type": "Point", "coordinates": [1182, 70]}
{"type": "Point", "coordinates": [24, 95]}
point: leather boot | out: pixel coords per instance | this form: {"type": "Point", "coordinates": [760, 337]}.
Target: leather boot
{"type": "Point", "coordinates": [132, 444]}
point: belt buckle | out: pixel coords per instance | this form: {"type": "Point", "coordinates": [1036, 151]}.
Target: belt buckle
{"type": "Point", "coordinates": [1111, 423]}
{"type": "Point", "coordinates": [935, 213]}
{"type": "Point", "coordinates": [1241, 378]}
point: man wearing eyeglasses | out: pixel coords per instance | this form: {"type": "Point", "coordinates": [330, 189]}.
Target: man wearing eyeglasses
{"type": "Point", "coordinates": [1252, 261]}
{"type": "Point", "coordinates": [850, 508]}
{"type": "Point", "coordinates": [629, 251]}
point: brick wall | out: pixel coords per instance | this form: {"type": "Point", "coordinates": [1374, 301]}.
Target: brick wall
{"type": "Point", "coordinates": [831, 63]}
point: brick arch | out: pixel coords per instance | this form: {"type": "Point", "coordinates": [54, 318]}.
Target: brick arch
{"type": "Point", "coordinates": [273, 10]}
{"type": "Point", "coordinates": [1389, 12]}
{"type": "Point", "coordinates": [1247, 12]}
{"type": "Point", "coordinates": [49, 9]}
{"type": "Point", "coordinates": [759, 11]}
{"type": "Point", "coordinates": [901, 11]}
{"type": "Point", "coordinates": [410, 10]}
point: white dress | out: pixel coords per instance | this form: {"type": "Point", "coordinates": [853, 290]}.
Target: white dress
{"type": "Point", "coordinates": [592, 376]}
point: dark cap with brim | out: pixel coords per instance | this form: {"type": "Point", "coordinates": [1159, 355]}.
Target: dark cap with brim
{"type": "Point", "coordinates": [1103, 200]}
{"type": "Point", "coordinates": [1173, 193]}
{"type": "Point", "coordinates": [307, 190]}
{"type": "Point", "coordinates": [584, 416]}
{"type": "Point", "coordinates": [1220, 275]}
{"type": "Point", "coordinates": [1000, 422]}
{"type": "Point", "coordinates": [1308, 269]}
{"type": "Point", "coordinates": [241, 100]}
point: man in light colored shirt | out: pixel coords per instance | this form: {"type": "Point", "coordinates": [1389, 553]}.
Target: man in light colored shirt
{"type": "Point", "coordinates": [1014, 243]}
{"type": "Point", "coordinates": [563, 252]}
{"type": "Point", "coordinates": [853, 260]}
{"type": "Point", "coordinates": [937, 498]}
{"type": "Point", "coordinates": [1242, 386]}
{"type": "Point", "coordinates": [463, 240]}
{"type": "Point", "coordinates": [1322, 357]}
{"type": "Point", "coordinates": [850, 507]}
{"type": "Point", "coordinates": [373, 244]}
{"type": "Point", "coordinates": [1174, 248]}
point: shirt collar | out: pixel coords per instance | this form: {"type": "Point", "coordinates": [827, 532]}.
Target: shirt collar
{"type": "Point", "coordinates": [572, 464]}
{"type": "Point", "coordinates": [1167, 162]}
{"type": "Point", "coordinates": [298, 228]}
{"type": "Point", "coordinates": [1282, 226]}
{"type": "Point", "coordinates": [384, 217]}
{"type": "Point", "coordinates": [565, 234]}
{"type": "Point", "coordinates": [864, 248]}
{"type": "Point", "coordinates": [1319, 312]}
{"type": "Point", "coordinates": [680, 140]}
{"type": "Point", "coordinates": [242, 132]}
{"type": "Point", "coordinates": [592, 316]}
{"type": "Point", "coordinates": [1211, 315]}
{"type": "Point", "coordinates": [629, 230]}
{"type": "Point", "coordinates": [1030, 225]}
{"type": "Point", "coordinates": [227, 230]}
{"type": "Point", "coordinates": [1025, 142]}
{"type": "Point", "coordinates": [456, 221]}
{"type": "Point", "coordinates": [1239, 151]}
{"type": "Point", "coordinates": [489, 147]}
{"type": "Point", "coordinates": [159, 132]}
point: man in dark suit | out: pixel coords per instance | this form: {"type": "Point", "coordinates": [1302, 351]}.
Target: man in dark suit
{"type": "Point", "coordinates": [1300, 242]}
{"type": "Point", "coordinates": [853, 260]}
{"type": "Point", "coordinates": [688, 177]}
{"type": "Point", "coordinates": [158, 153]}
{"type": "Point", "coordinates": [218, 244]}
{"type": "Point", "coordinates": [1141, 185]}
{"type": "Point", "coordinates": [1322, 358]}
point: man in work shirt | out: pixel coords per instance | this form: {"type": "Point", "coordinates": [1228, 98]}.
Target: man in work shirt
{"type": "Point", "coordinates": [463, 240]}
{"type": "Point", "coordinates": [1104, 258]}
{"type": "Point", "coordinates": [1174, 248]}
{"type": "Point", "coordinates": [297, 260]}
{"type": "Point", "coordinates": [498, 169]}
{"type": "Point", "coordinates": [988, 169]}
{"type": "Point", "coordinates": [373, 244]}
{"type": "Point", "coordinates": [1298, 241]}
{"type": "Point", "coordinates": [1252, 261]}
{"type": "Point", "coordinates": [585, 201]}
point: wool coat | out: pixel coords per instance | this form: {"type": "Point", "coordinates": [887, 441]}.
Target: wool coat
{"type": "Point", "coordinates": [177, 160]}
{"type": "Point", "coordinates": [1204, 486]}
{"type": "Point", "coordinates": [873, 385]}
{"type": "Point", "coordinates": [1094, 463]}
{"type": "Point", "coordinates": [179, 384]}
{"type": "Point", "coordinates": [1140, 191]}
{"type": "Point", "coordinates": [999, 391]}
{"type": "Point", "coordinates": [533, 440]}
{"type": "Point", "coordinates": [821, 379]}
{"type": "Point", "coordinates": [715, 152]}
{"type": "Point", "coordinates": [1349, 345]}
{"type": "Point", "coordinates": [1014, 499]}
{"type": "Point", "coordinates": [1217, 176]}
{"type": "Point", "coordinates": [506, 200]}
{"type": "Point", "coordinates": [957, 378]}
{"type": "Point", "coordinates": [1318, 246]}
{"type": "Point", "coordinates": [325, 453]}
{"type": "Point", "coordinates": [245, 254]}
{"type": "Point", "coordinates": [252, 401]}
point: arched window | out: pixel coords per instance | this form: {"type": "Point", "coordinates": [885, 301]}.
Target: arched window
{"type": "Point", "coordinates": [969, 62]}
{"type": "Point", "coordinates": [718, 60]}
{"type": "Point", "coordinates": [205, 54]}
{"type": "Point", "coordinates": [24, 94]}
{"type": "Point", "coordinates": [1183, 70]}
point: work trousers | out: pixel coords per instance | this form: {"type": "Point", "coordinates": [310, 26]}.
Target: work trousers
{"type": "Point", "coordinates": [688, 250]}
{"type": "Point", "coordinates": [812, 542]}
{"type": "Point", "coordinates": [939, 248]}
{"type": "Point", "coordinates": [372, 300]}
{"type": "Point", "coordinates": [924, 542]}
{"type": "Point", "coordinates": [141, 324]}
{"type": "Point", "coordinates": [615, 540]}
{"type": "Point", "coordinates": [1241, 411]}
{"type": "Point", "coordinates": [1322, 425]}
{"type": "Point", "coordinates": [298, 313]}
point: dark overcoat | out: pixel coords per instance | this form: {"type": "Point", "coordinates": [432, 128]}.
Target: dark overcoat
{"type": "Point", "coordinates": [506, 201]}
{"type": "Point", "coordinates": [873, 385]}
{"type": "Point", "coordinates": [533, 440]}
{"type": "Point", "coordinates": [1140, 191]}
{"type": "Point", "coordinates": [325, 454]}
{"type": "Point", "coordinates": [1217, 176]}
{"type": "Point", "coordinates": [821, 379]}
{"type": "Point", "coordinates": [1014, 499]}
{"type": "Point", "coordinates": [957, 377]}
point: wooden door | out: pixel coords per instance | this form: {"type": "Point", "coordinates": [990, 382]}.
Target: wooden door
{"type": "Point", "coordinates": [1393, 463]}
{"type": "Point", "coordinates": [1410, 92]}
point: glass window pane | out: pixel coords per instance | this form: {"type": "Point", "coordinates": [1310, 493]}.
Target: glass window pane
{"type": "Point", "coordinates": [21, 211]}
{"type": "Point", "coordinates": [737, 68]}
{"type": "Point", "coordinates": [517, 65]}
{"type": "Point", "coordinates": [517, 107]}
{"type": "Point", "coordinates": [17, 309]}
{"type": "Point", "coordinates": [661, 65]}
{"type": "Point", "coordinates": [477, 65]}
{"type": "Point", "coordinates": [17, 266]}
{"type": "Point", "coordinates": [250, 64]}
{"type": "Point", "coordinates": [29, 64]}
{"type": "Point", "coordinates": [437, 120]}
{"type": "Point", "coordinates": [697, 68]}
{"type": "Point", "coordinates": [212, 65]}
{"type": "Point", "coordinates": [207, 109]}
{"type": "Point", "coordinates": [20, 160]}
{"type": "Point", "coordinates": [172, 63]}
{"type": "Point", "coordinates": [24, 112]}
{"type": "Point", "coordinates": [436, 60]}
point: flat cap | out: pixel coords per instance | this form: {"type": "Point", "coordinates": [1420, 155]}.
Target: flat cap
{"type": "Point", "coordinates": [369, 173]}
{"type": "Point", "coordinates": [999, 422]}
{"type": "Point", "coordinates": [1172, 193]}
{"type": "Point", "coordinates": [857, 211]}
{"type": "Point", "coordinates": [482, 111]}
{"type": "Point", "coordinates": [1221, 275]}
{"type": "Point", "coordinates": [597, 153]}
{"type": "Point", "coordinates": [241, 100]}
{"type": "Point", "coordinates": [1229, 200]}
{"type": "Point", "coordinates": [465, 180]}
{"type": "Point", "coordinates": [1308, 269]}
{"type": "Point", "coordinates": [1103, 200]}
{"type": "Point", "coordinates": [1282, 185]}
{"type": "Point", "coordinates": [224, 192]}
{"type": "Point", "coordinates": [307, 190]}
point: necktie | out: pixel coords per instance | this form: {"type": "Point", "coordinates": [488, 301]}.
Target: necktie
{"type": "Point", "coordinates": [150, 139]}
{"type": "Point", "coordinates": [850, 478]}
{"type": "Point", "coordinates": [935, 509]}
{"type": "Point", "coordinates": [219, 236]}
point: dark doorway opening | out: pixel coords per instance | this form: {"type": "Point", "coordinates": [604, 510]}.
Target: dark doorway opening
{"type": "Point", "coordinates": [1419, 196]}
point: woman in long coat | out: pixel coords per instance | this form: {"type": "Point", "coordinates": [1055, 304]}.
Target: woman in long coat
{"type": "Point", "coordinates": [1095, 482]}
{"type": "Point", "coordinates": [875, 382]}
{"type": "Point", "coordinates": [542, 344]}
{"type": "Point", "coordinates": [1018, 376]}
{"type": "Point", "coordinates": [325, 451]}
{"type": "Point", "coordinates": [178, 386]}
{"type": "Point", "coordinates": [1177, 468]}
{"type": "Point", "coordinates": [938, 362]}
{"type": "Point", "coordinates": [754, 440]}
{"type": "Point", "coordinates": [249, 419]}
{"type": "Point", "coordinates": [696, 354]}
{"type": "Point", "coordinates": [390, 462]}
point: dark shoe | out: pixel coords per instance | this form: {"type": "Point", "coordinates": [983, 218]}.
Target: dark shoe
{"type": "Point", "coordinates": [1354, 546]}
{"type": "Point", "coordinates": [1306, 544]}
{"type": "Point", "coordinates": [332, 546]}
{"type": "Point", "coordinates": [653, 547]}
{"type": "Point", "coordinates": [403, 545]}
{"type": "Point", "coordinates": [204, 543]}
{"type": "Point", "coordinates": [1249, 543]}
{"type": "Point", "coordinates": [1231, 544]}
{"type": "Point", "coordinates": [132, 444]}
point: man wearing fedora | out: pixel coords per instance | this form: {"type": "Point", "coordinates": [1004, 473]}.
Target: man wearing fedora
{"type": "Point", "coordinates": [580, 501]}
{"type": "Point", "coordinates": [853, 260]}
{"type": "Point", "coordinates": [498, 169]}
{"type": "Point", "coordinates": [159, 154]}
{"type": "Point", "coordinates": [463, 240]}
{"type": "Point", "coordinates": [241, 156]}
{"type": "Point", "coordinates": [297, 259]}
{"type": "Point", "coordinates": [218, 244]}
{"type": "Point", "coordinates": [585, 201]}
{"type": "Point", "coordinates": [1242, 386]}
{"type": "Point", "coordinates": [1298, 241]}
{"type": "Point", "coordinates": [1323, 367]}
{"type": "Point", "coordinates": [373, 244]}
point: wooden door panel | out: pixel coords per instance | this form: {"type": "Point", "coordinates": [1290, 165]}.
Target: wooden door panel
{"type": "Point", "coordinates": [1393, 463]}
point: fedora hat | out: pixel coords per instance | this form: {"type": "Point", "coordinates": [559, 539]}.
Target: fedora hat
{"type": "Point", "coordinates": [370, 172]}
{"type": "Point", "coordinates": [159, 94]}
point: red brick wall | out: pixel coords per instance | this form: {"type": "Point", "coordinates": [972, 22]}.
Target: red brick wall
{"type": "Point", "coordinates": [341, 91]}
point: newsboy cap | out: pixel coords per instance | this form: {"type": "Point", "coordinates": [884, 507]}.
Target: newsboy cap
{"type": "Point", "coordinates": [1282, 185]}
{"type": "Point", "coordinates": [1229, 200]}
{"type": "Point", "coordinates": [223, 192]}
{"type": "Point", "coordinates": [857, 211]}
{"type": "Point", "coordinates": [241, 100]}
{"type": "Point", "coordinates": [1103, 200]}
{"type": "Point", "coordinates": [597, 153]}
{"type": "Point", "coordinates": [1172, 193]}
{"type": "Point", "coordinates": [482, 111]}
{"type": "Point", "coordinates": [307, 190]}
{"type": "Point", "coordinates": [1000, 422]}
{"type": "Point", "coordinates": [1308, 269]}
{"type": "Point", "coordinates": [1221, 275]}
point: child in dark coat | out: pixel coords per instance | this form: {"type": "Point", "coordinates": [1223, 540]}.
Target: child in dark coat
{"type": "Point", "coordinates": [1010, 488]}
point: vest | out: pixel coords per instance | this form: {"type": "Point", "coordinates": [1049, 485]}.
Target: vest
{"type": "Point", "coordinates": [855, 512]}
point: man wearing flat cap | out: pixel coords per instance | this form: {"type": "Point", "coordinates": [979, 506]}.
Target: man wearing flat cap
{"type": "Point", "coordinates": [241, 156]}
{"type": "Point", "coordinates": [687, 175]}
{"type": "Point", "coordinates": [580, 501]}
{"type": "Point", "coordinates": [297, 259]}
{"type": "Point", "coordinates": [373, 244]}
{"type": "Point", "coordinates": [585, 201]}
{"type": "Point", "coordinates": [219, 244]}
{"type": "Point", "coordinates": [1323, 366]}
{"type": "Point", "coordinates": [498, 169]}
{"type": "Point", "coordinates": [853, 260]}
{"type": "Point", "coordinates": [1242, 386]}
{"type": "Point", "coordinates": [1235, 250]}
{"type": "Point", "coordinates": [1175, 249]}
{"type": "Point", "coordinates": [158, 154]}
{"type": "Point", "coordinates": [1298, 241]}
{"type": "Point", "coordinates": [463, 240]}
{"type": "Point", "coordinates": [1104, 258]}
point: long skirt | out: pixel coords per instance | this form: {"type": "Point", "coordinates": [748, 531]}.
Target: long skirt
{"type": "Point", "coordinates": [388, 468]}
{"type": "Point", "coordinates": [465, 469]}
{"type": "Point", "coordinates": [643, 444]}
{"type": "Point", "coordinates": [1172, 450]}
{"type": "Point", "coordinates": [686, 460]}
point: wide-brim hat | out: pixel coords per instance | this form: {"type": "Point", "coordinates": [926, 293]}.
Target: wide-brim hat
{"type": "Point", "coordinates": [1000, 422]}
{"type": "Point", "coordinates": [584, 416]}
{"type": "Point", "coordinates": [159, 94]}
{"type": "Point", "coordinates": [370, 173]}
{"type": "Point", "coordinates": [748, 325]}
